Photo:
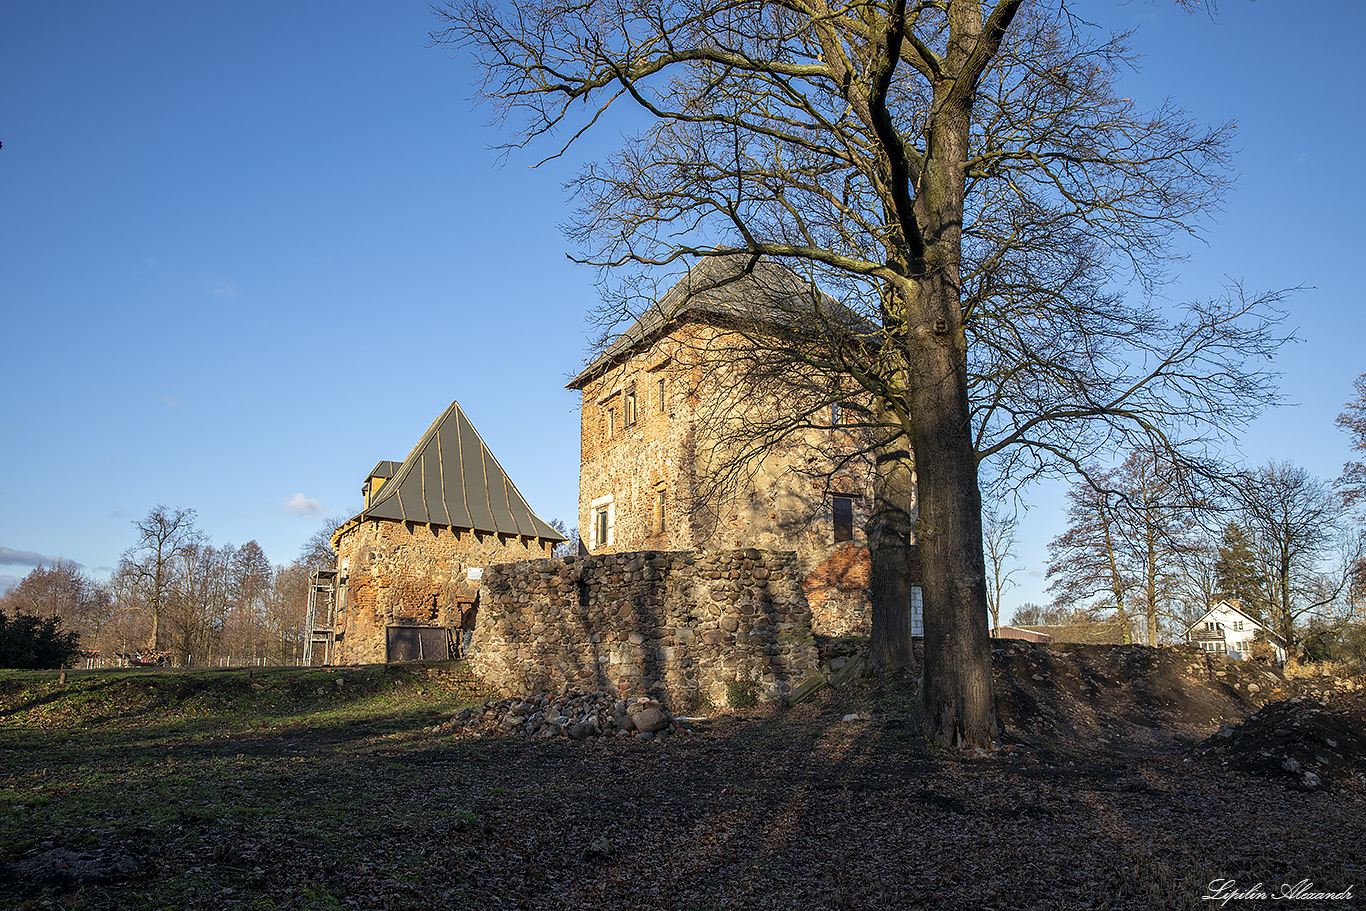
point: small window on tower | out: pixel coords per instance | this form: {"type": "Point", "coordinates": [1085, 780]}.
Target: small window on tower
{"type": "Point", "coordinates": [600, 526]}
{"type": "Point", "coordinates": [659, 396]}
{"type": "Point", "coordinates": [611, 421]}
{"type": "Point", "coordinates": [629, 407]}
{"type": "Point", "coordinates": [659, 511]}
{"type": "Point", "coordinates": [844, 519]}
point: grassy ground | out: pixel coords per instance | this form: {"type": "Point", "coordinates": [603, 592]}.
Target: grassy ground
{"type": "Point", "coordinates": [310, 789]}
{"type": "Point", "coordinates": [125, 767]}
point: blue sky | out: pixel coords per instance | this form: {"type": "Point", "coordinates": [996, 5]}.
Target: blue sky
{"type": "Point", "coordinates": [248, 250]}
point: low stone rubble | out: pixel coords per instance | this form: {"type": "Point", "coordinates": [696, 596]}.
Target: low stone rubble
{"type": "Point", "coordinates": [576, 715]}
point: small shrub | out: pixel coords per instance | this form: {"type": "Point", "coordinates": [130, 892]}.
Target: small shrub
{"type": "Point", "coordinates": [742, 694]}
{"type": "Point", "coordinates": [699, 703]}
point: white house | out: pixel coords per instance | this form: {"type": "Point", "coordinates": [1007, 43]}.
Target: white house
{"type": "Point", "coordinates": [1225, 630]}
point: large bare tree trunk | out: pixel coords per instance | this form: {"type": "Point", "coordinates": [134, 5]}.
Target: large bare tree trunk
{"type": "Point", "coordinates": [957, 701]}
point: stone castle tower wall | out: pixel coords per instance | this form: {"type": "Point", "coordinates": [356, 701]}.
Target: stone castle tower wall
{"type": "Point", "coordinates": [406, 574]}
{"type": "Point", "coordinates": [643, 461]}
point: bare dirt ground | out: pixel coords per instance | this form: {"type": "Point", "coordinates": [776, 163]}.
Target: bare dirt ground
{"type": "Point", "coordinates": [1112, 788]}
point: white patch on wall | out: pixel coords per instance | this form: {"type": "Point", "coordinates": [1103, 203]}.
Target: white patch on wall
{"type": "Point", "coordinates": [603, 514]}
{"type": "Point", "coordinates": [917, 612]}
{"type": "Point", "coordinates": [474, 573]}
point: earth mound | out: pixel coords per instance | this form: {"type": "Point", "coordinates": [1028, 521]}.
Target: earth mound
{"type": "Point", "coordinates": [1311, 741]}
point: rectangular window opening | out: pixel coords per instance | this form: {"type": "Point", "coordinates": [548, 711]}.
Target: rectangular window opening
{"type": "Point", "coordinates": [844, 519]}
{"type": "Point", "coordinates": [628, 406]}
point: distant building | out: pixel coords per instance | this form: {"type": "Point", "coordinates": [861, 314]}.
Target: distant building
{"type": "Point", "coordinates": [1080, 632]}
{"type": "Point", "coordinates": [660, 411]}
{"type": "Point", "coordinates": [1020, 633]}
{"type": "Point", "coordinates": [409, 564]}
{"type": "Point", "coordinates": [1225, 629]}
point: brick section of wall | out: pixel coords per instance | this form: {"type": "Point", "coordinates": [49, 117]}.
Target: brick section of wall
{"type": "Point", "coordinates": [402, 574]}
{"type": "Point", "coordinates": [837, 590]}
{"type": "Point", "coordinates": [680, 626]}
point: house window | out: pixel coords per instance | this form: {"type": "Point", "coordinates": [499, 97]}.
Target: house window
{"type": "Point", "coordinates": [844, 519]}
{"type": "Point", "coordinates": [628, 407]}
{"type": "Point", "coordinates": [659, 396]}
{"type": "Point", "coordinates": [1238, 625]}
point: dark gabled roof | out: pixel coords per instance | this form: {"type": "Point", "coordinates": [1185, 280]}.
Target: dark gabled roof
{"type": "Point", "coordinates": [732, 286]}
{"type": "Point", "coordinates": [451, 478]}
{"type": "Point", "coordinates": [384, 469]}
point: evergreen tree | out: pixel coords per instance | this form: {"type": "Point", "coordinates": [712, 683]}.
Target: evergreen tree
{"type": "Point", "coordinates": [1237, 575]}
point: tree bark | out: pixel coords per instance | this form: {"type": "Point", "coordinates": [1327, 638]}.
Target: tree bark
{"type": "Point", "coordinates": [891, 537]}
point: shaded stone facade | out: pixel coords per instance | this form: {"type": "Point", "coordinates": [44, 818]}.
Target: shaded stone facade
{"type": "Point", "coordinates": [685, 627]}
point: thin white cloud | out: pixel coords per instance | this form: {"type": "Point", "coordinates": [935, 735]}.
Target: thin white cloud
{"type": "Point", "coordinates": [224, 291]}
{"type": "Point", "coordinates": [171, 400]}
{"type": "Point", "coordinates": [300, 505]}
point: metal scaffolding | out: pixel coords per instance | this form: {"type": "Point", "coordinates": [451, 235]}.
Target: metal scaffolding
{"type": "Point", "coordinates": [322, 617]}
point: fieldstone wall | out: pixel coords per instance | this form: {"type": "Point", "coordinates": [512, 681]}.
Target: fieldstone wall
{"type": "Point", "coordinates": [681, 626]}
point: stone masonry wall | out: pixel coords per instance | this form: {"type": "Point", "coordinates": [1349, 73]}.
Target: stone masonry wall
{"type": "Point", "coordinates": [404, 574]}
{"type": "Point", "coordinates": [680, 626]}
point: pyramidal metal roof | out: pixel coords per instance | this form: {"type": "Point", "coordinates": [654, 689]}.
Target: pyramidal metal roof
{"type": "Point", "coordinates": [451, 478]}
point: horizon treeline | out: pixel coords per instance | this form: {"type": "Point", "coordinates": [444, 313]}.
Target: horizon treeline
{"type": "Point", "coordinates": [175, 593]}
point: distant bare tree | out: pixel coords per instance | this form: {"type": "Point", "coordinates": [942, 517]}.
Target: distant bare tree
{"type": "Point", "coordinates": [1352, 483]}
{"type": "Point", "coordinates": [316, 552]}
{"type": "Point", "coordinates": [1159, 512]}
{"type": "Point", "coordinates": [1291, 517]}
{"type": "Point", "coordinates": [569, 547]}
{"type": "Point", "coordinates": [61, 591]}
{"type": "Point", "coordinates": [1085, 562]}
{"type": "Point", "coordinates": [164, 537]}
{"type": "Point", "coordinates": [998, 545]}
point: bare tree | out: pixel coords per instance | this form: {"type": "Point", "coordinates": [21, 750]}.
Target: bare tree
{"type": "Point", "coordinates": [1291, 517]}
{"type": "Point", "coordinates": [570, 546]}
{"type": "Point", "coordinates": [249, 579]}
{"type": "Point", "coordinates": [1352, 483]}
{"type": "Point", "coordinates": [316, 552]}
{"type": "Point", "coordinates": [286, 611]}
{"type": "Point", "coordinates": [61, 590]}
{"type": "Point", "coordinates": [1160, 511]}
{"type": "Point", "coordinates": [968, 180]}
{"type": "Point", "coordinates": [998, 544]}
{"type": "Point", "coordinates": [164, 537]}
{"type": "Point", "coordinates": [1085, 564]}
